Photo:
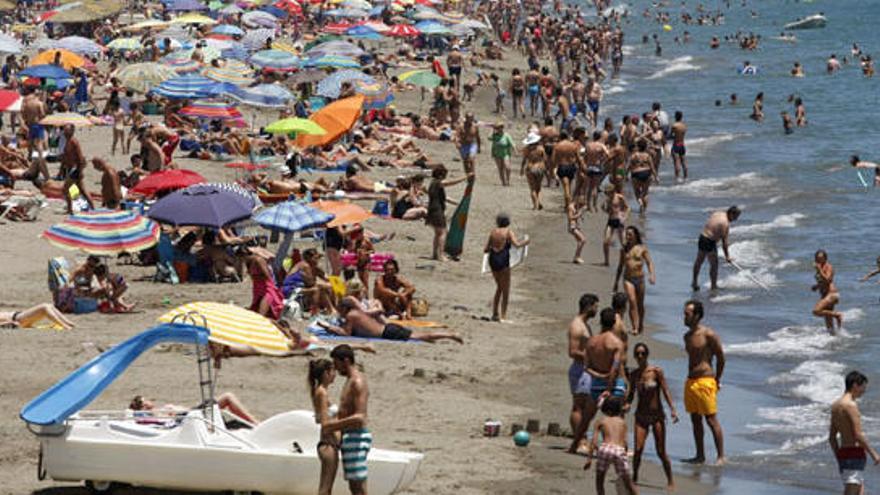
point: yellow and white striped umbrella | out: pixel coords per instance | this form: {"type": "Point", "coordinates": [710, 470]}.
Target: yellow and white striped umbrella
{"type": "Point", "coordinates": [233, 325]}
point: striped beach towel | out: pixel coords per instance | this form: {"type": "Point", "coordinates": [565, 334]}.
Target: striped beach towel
{"type": "Point", "coordinates": [356, 445]}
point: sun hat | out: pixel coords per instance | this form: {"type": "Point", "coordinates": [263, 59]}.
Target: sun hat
{"type": "Point", "coordinates": [532, 138]}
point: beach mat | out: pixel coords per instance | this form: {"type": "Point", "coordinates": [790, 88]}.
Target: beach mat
{"type": "Point", "coordinates": [323, 334]}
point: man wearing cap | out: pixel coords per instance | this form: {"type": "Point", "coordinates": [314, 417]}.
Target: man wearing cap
{"type": "Point", "coordinates": [502, 149]}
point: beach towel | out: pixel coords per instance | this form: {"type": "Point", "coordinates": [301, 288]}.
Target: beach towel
{"type": "Point", "coordinates": [458, 224]}
{"type": "Point", "coordinates": [323, 334]}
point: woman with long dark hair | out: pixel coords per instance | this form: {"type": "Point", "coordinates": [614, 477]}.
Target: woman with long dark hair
{"type": "Point", "coordinates": [321, 375]}
{"type": "Point", "coordinates": [634, 256]}
{"type": "Point", "coordinates": [501, 239]}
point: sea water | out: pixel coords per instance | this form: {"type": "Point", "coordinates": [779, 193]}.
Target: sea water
{"type": "Point", "coordinates": [799, 195]}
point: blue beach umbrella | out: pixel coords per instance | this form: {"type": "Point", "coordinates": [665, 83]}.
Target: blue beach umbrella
{"type": "Point", "coordinates": [263, 96]}
{"type": "Point", "coordinates": [331, 61]}
{"type": "Point", "coordinates": [275, 11]}
{"type": "Point", "coordinates": [188, 86]}
{"type": "Point", "coordinates": [202, 205]}
{"type": "Point", "coordinates": [228, 29]}
{"type": "Point", "coordinates": [331, 85]}
{"type": "Point", "coordinates": [363, 32]}
{"type": "Point", "coordinates": [184, 5]}
{"type": "Point", "coordinates": [275, 60]}
{"type": "Point", "coordinates": [47, 71]}
{"type": "Point", "coordinates": [290, 216]}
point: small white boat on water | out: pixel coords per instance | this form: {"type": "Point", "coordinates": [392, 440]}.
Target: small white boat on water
{"type": "Point", "coordinates": [196, 450]}
{"type": "Point", "coordinates": [810, 22]}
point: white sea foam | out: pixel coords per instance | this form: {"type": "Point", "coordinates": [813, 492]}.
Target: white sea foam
{"type": "Point", "coordinates": [794, 341]}
{"type": "Point", "coordinates": [793, 445]}
{"type": "Point", "coordinates": [701, 145]}
{"type": "Point", "coordinates": [628, 50]}
{"type": "Point", "coordinates": [782, 265]}
{"type": "Point", "coordinates": [730, 298]}
{"type": "Point", "coordinates": [615, 89]}
{"type": "Point", "coordinates": [775, 199]}
{"type": "Point", "coordinates": [741, 185]}
{"type": "Point", "coordinates": [749, 278]}
{"type": "Point", "coordinates": [780, 222]}
{"type": "Point", "coordinates": [680, 64]}
{"type": "Point", "coordinates": [752, 253]}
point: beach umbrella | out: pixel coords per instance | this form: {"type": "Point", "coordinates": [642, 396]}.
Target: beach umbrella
{"type": "Point", "coordinates": [275, 11]}
{"type": "Point", "coordinates": [289, 6]}
{"type": "Point", "coordinates": [347, 13]}
{"type": "Point", "coordinates": [208, 54]}
{"type": "Point", "coordinates": [403, 31]}
{"type": "Point", "coordinates": [337, 28]}
{"type": "Point", "coordinates": [307, 76]}
{"type": "Point", "coordinates": [255, 39]}
{"type": "Point", "coordinates": [148, 24]}
{"type": "Point", "coordinates": [237, 74]}
{"type": "Point", "coordinates": [211, 109]}
{"type": "Point", "coordinates": [193, 19]}
{"type": "Point", "coordinates": [65, 118]}
{"type": "Point", "coordinates": [378, 26]}
{"type": "Point", "coordinates": [335, 47]}
{"type": "Point", "coordinates": [46, 71]}
{"type": "Point", "coordinates": [263, 96]}
{"type": "Point", "coordinates": [201, 205]}
{"type": "Point", "coordinates": [144, 77]}
{"type": "Point", "coordinates": [237, 52]}
{"type": "Point", "coordinates": [274, 60]}
{"type": "Point", "coordinates": [125, 44]}
{"type": "Point", "coordinates": [219, 42]}
{"type": "Point", "coordinates": [69, 60]}
{"type": "Point", "coordinates": [184, 5]}
{"type": "Point", "coordinates": [182, 65]}
{"type": "Point", "coordinates": [331, 85]}
{"type": "Point", "coordinates": [232, 326]}
{"type": "Point", "coordinates": [258, 18]}
{"type": "Point", "coordinates": [299, 126]}
{"type": "Point", "coordinates": [376, 95]}
{"type": "Point", "coordinates": [357, 4]}
{"type": "Point", "coordinates": [363, 32]}
{"type": "Point", "coordinates": [228, 29]}
{"type": "Point", "coordinates": [432, 27]}
{"type": "Point", "coordinates": [250, 197]}
{"type": "Point", "coordinates": [79, 45]}
{"type": "Point", "coordinates": [9, 44]}
{"type": "Point", "coordinates": [285, 46]}
{"type": "Point", "coordinates": [291, 216]}
{"type": "Point", "coordinates": [473, 24]}
{"type": "Point", "coordinates": [423, 78]}
{"type": "Point", "coordinates": [10, 101]}
{"type": "Point", "coordinates": [344, 213]}
{"type": "Point", "coordinates": [166, 180]}
{"type": "Point", "coordinates": [336, 118]}
{"type": "Point", "coordinates": [231, 10]}
{"type": "Point", "coordinates": [331, 61]}
{"type": "Point", "coordinates": [188, 86]}
{"type": "Point", "coordinates": [104, 232]}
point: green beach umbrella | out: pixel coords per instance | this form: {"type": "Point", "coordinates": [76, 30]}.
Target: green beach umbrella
{"type": "Point", "coordinates": [299, 126]}
{"type": "Point", "coordinates": [422, 78]}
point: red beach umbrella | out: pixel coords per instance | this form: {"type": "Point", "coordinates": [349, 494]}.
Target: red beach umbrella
{"type": "Point", "coordinates": [166, 180]}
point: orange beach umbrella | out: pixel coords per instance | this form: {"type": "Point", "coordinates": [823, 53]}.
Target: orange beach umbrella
{"type": "Point", "coordinates": [345, 213]}
{"type": "Point", "coordinates": [336, 118]}
{"type": "Point", "coordinates": [69, 60]}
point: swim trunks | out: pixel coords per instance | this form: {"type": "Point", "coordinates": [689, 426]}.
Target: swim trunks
{"type": "Point", "coordinates": [36, 131]}
{"type": "Point", "coordinates": [851, 462]}
{"type": "Point", "coordinates": [612, 455]}
{"type": "Point", "coordinates": [600, 385]}
{"type": "Point", "coordinates": [356, 444]}
{"type": "Point", "coordinates": [533, 90]}
{"type": "Point", "coordinates": [578, 381]}
{"type": "Point", "coordinates": [594, 171]}
{"type": "Point", "coordinates": [454, 71]}
{"type": "Point", "coordinates": [642, 175]}
{"type": "Point", "coordinates": [700, 396]}
{"type": "Point", "coordinates": [468, 151]}
{"type": "Point", "coordinates": [678, 149]}
{"type": "Point", "coordinates": [707, 245]}
{"type": "Point", "coordinates": [615, 223]}
{"type": "Point", "coordinates": [594, 105]}
{"type": "Point", "coordinates": [394, 331]}
{"type": "Point", "coordinates": [566, 171]}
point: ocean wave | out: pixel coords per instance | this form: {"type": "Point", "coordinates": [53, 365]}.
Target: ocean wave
{"type": "Point", "coordinates": [749, 278]}
{"type": "Point", "coordinates": [615, 89]}
{"type": "Point", "coordinates": [700, 145]}
{"type": "Point", "coordinates": [742, 185]}
{"type": "Point", "coordinates": [680, 64]}
{"type": "Point", "coordinates": [780, 222]}
{"type": "Point", "coordinates": [730, 298]}
{"type": "Point", "coordinates": [786, 263]}
{"type": "Point", "coordinates": [793, 445]}
{"type": "Point", "coordinates": [752, 253]}
{"type": "Point", "coordinates": [794, 341]}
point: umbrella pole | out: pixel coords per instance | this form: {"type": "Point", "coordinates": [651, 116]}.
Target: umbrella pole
{"type": "Point", "coordinates": [282, 253]}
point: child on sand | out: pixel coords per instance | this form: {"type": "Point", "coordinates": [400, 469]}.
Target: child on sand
{"type": "Point", "coordinates": [613, 448]}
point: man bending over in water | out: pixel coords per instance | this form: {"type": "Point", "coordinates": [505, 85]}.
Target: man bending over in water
{"type": "Point", "coordinates": [850, 448]}
{"type": "Point", "coordinates": [360, 324]}
{"type": "Point", "coordinates": [716, 228]}
{"type": "Point", "coordinates": [858, 163]}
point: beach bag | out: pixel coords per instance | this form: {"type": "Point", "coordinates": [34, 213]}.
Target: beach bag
{"type": "Point", "coordinates": [420, 307]}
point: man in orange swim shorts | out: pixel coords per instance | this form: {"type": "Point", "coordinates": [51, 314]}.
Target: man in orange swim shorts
{"type": "Point", "coordinates": [702, 345]}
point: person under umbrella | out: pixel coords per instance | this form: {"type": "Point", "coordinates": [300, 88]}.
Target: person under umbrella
{"type": "Point", "coordinates": [73, 165]}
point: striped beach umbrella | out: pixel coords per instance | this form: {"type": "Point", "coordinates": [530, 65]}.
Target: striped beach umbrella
{"type": "Point", "coordinates": [424, 78]}
{"type": "Point", "coordinates": [337, 27]}
{"type": "Point", "coordinates": [331, 61]}
{"type": "Point", "coordinates": [378, 26]}
{"type": "Point", "coordinates": [104, 232]}
{"type": "Point", "coordinates": [403, 31]}
{"type": "Point", "coordinates": [292, 217]}
{"type": "Point", "coordinates": [259, 18]}
{"type": "Point", "coordinates": [433, 27]}
{"type": "Point", "coordinates": [376, 95]}
{"type": "Point", "coordinates": [233, 72]}
{"type": "Point", "coordinates": [10, 101]}
{"type": "Point", "coordinates": [189, 86]}
{"type": "Point", "coordinates": [274, 60]}
{"type": "Point", "coordinates": [335, 47]}
{"type": "Point", "coordinates": [233, 326]}
{"type": "Point", "coordinates": [211, 109]}
{"type": "Point", "coordinates": [255, 39]}
{"type": "Point", "coordinates": [263, 96]}
{"type": "Point", "coordinates": [125, 44]}
{"type": "Point", "coordinates": [65, 118]}
{"type": "Point", "coordinates": [182, 65]}
{"type": "Point", "coordinates": [331, 85]}
{"type": "Point", "coordinates": [144, 77]}
{"type": "Point", "coordinates": [79, 45]}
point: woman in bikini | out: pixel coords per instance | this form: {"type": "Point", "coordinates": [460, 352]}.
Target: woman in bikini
{"type": "Point", "coordinates": [641, 169]}
{"type": "Point", "coordinates": [828, 295]}
{"type": "Point", "coordinates": [533, 167]}
{"type": "Point", "coordinates": [517, 93]}
{"type": "Point", "coordinates": [498, 248]}
{"type": "Point", "coordinates": [633, 257]}
{"type": "Point", "coordinates": [647, 383]}
{"type": "Point", "coordinates": [321, 375]}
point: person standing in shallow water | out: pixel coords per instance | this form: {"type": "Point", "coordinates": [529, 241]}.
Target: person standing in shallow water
{"type": "Point", "coordinates": [848, 441]}
{"type": "Point", "coordinates": [701, 388]}
{"type": "Point", "coordinates": [716, 228]}
{"type": "Point", "coordinates": [501, 239]}
{"type": "Point", "coordinates": [828, 295]}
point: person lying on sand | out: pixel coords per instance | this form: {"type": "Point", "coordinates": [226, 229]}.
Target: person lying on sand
{"type": "Point", "coordinates": [27, 317]}
{"type": "Point", "coordinates": [359, 324]}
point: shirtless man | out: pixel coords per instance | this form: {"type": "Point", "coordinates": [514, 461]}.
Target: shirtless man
{"type": "Point", "coordinates": [679, 129]}
{"type": "Point", "coordinates": [351, 420]}
{"type": "Point", "coordinates": [152, 152]}
{"type": "Point", "coordinates": [595, 156]}
{"type": "Point", "coordinates": [360, 324]}
{"type": "Point", "coordinates": [604, 365]}
{"type": "Point", "coordinates": [716, 228]}
{"type": "Point", "coordinates": [73, 164]}
{"type": "Point", "coordinates": [848, 441]}
{"type": "Point", "coordinates": [594, 97]}
{"type": "Point", "coordinates": [856, 162]}
{"type": "Point", "coordinates": [702, 345]}
{"type": "Point", "coordinates": [32, 111]}
{"type": "Point", "coordinates": [583, 408]}
{"type": "Point", "coordinates": [453, 63]}
{"type": "Point", "coordinates": [618, 210]}
{"type": "Point", "coordinates": [566, 160]}
{"type": "Point", "coordinates": [549, 138]}
{"type": "Point", "coordinates": [467, 137]}
{"type": "Point", "coordinates": [532, 80]}
{"type": "Point", "coordinates": [111, 192]}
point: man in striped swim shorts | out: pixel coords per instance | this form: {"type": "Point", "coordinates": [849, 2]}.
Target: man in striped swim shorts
{"type": "Point", "coordinates": [352, 420]}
